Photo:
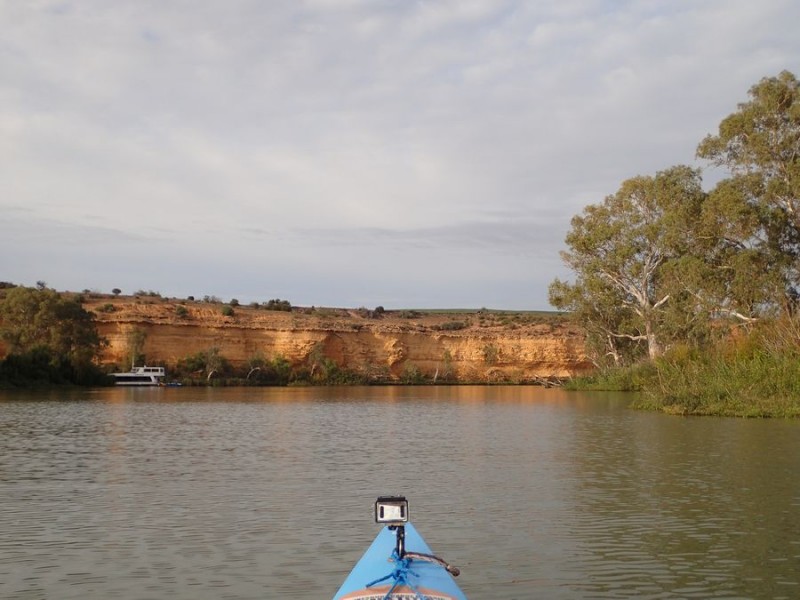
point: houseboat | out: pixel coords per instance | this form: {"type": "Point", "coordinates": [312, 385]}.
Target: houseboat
{"type": "Point", "coordinates": [140, 376]}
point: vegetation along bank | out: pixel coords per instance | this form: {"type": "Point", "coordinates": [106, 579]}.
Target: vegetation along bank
{"type": "Point", "coordinates": [692, 296]}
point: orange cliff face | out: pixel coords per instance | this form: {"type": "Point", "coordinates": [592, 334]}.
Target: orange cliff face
{"type": "Point", "coordinates": [474, 347]}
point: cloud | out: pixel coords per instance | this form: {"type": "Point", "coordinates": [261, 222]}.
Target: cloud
{"type": "Point", "coordinates": [270, 136]}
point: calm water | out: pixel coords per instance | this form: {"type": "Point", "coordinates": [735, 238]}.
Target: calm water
{"type": "Point", "coordinates": [246, 494]}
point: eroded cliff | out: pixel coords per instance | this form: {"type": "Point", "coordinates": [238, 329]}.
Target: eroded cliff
{"type": "Point", "coordinates": [467, 347]}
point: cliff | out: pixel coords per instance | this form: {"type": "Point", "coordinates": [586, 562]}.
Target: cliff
{"type": "Point", "coordinates": [469, 347]}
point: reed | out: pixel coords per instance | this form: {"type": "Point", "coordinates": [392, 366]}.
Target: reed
{"type": "Point", "coordinates": [750, 383]}
{"type": "Point", "coordinates": [756, 374]}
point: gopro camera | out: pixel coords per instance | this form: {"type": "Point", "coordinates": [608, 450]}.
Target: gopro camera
{"type": "Point", "coordinates": [391, 510]}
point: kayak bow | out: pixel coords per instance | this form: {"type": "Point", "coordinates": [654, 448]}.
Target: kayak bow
{"type": "Point", "coordinates": [399, 565]}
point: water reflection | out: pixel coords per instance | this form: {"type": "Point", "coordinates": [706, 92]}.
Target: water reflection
{"type": "Point", "coordinates": [682, 505]}
{"type": "Point", "coordinates": [215, 493]}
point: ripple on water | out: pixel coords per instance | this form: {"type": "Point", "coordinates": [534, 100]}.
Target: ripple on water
{"type": "Point", "coordinates": [267, 493]}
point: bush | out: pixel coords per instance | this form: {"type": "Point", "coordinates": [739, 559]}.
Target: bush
{"type": "Point", "coordinates": [626, 379]}
{"type": "Point", "coordinates": [450, 326]}
{"type": "Point", "coordinates": [490, 354]}
{"type": "Point", "coordinates": [203, 364]}
{"type": "Point", "coordinates": [278, 304]}
{"type": "Point", "coordinates": [107, 308]}
{"type": "Point", "coordinates": [409, 314]}
{"type": "Point", "coordinates": [181, 311]}
{"type": "Point", "coordinates": [42, 317]}
{"type": "Point", "coordinates": [365, 313]}
{"type": "Point", "coordinates": [44, 366]}
{"type": "Point", "coordinates": [227, 310]}
{"type": "Point", "coordinates": [411, 374]}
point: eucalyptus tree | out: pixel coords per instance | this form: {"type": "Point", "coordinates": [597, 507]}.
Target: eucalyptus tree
{"type": "Point", "coordinates": [734, 269]}
{"type": "Point", "coordinates": [622, 253]}
{"type": "Point", "coordinates": [43, 318]}
{"type": "Point", "coordinates": [759, 144]}
{"type": "Point", "coordinates": [135, 342]}
{"type": "Point", "coordinates": [601, 312]}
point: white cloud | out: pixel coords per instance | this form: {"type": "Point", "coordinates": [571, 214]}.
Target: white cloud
{"type": "Point", "coordinates": [402, 135]}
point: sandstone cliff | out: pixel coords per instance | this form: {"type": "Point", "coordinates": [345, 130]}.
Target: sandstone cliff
{"type": "Point", "coordinates": [467, 347]}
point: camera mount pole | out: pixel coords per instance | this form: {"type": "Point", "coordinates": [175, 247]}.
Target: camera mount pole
{"type": "Point", "coordinates": [400, 549]}
{"type": "Point", "coordinates": [401, 541]}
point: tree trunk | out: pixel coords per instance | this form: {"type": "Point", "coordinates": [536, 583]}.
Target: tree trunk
{"type": "Point", "coordinates": [654, 349]}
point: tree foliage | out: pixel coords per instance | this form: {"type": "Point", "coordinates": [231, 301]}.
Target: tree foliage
{"type": "Point", "coordinates": [658, 261]}
{"type": "Point", "coordinates": [44, 318]}
{"type": "Point", "coordinates": [278, 304]}
{"type": "Point", "coordinates": [620, 251]}
{"type": "Point", "coordinates": [759, 144]}
{"type": "Point", "coordinates": [134, 342]}
{"type": "Point", "coordinates": [40, 326]}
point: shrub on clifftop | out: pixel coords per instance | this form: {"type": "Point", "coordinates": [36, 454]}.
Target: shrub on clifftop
{"type": "Point", "coordinates": [278, 304]}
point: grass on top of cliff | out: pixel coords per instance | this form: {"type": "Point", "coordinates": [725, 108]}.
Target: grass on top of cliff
{"type": "Point", "coordinates": [478, 311]}
{"type": "Point", "coordinates": [152, 306]}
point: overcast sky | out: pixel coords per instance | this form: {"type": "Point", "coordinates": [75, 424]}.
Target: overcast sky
{"type": "Point", "coordinates": [403, 153]}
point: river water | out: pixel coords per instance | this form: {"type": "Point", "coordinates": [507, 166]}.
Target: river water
{"type": "Point", "coordinates": [268, 493]}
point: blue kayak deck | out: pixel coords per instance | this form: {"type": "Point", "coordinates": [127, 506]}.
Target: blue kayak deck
{"type": "Point", "coordinates": [431, 580]}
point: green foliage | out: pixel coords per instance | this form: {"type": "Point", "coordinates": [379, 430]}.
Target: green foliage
{"type": "Point", "coordinates": [411, 375]}
{"type": "Point", "coordinates": [743, 375]}
{"type": "Point", "coordinates": [279, 305]}
{"type": "Point", "coordinates": [44, 366]}
{"type": "Point", "coordinates": [282, 369]}
{"type": "Point", "coordinates": [324, 370]}
{"type": "Point", "coordinates": [409, 314]}
{"type": "Point", "coordinates": [206, 363]}
{"type": "Point", "coordinates": [107, 308]}
{"type": "Point", "coordinates": [490, 354]}
{"type": "Point", "coordinates": [43, 318]}
{"type": "Point", "coordinates": [227, 310]}
{"type": "Point", "coordinates": [51, 339]}
{"type": "Point", "coordinates": [728, 380]}
{"type": "Point", "coordinates": [234, 302]}
{"type": "Point", "coordinates": [181, 311]}
{"type": "Point", "coordinates": [134, 343]}
{"type": "Point", "coordinates": [116, 291]}
{"type": "Point", "coordinates": [621, 252]}
{"type": "Point", "coordinates": [633, 378]}
{"type": "Point", "coordinates": [370, 314]}
{"type": "Point", "coordinates": [661, 263]}
{"type": "Point", "coordinates": [447, 372]}
{"type": "Point", "coordinates": [760, 146]}
{"type": "Point", "coordinates": [191, 364]}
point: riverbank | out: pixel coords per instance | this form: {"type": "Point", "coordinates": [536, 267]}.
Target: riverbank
{"type": "Point", "coordinates": [731, 381]}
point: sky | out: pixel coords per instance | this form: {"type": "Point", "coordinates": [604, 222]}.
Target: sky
{"type": "Point", "coordinates": [350, 153]}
